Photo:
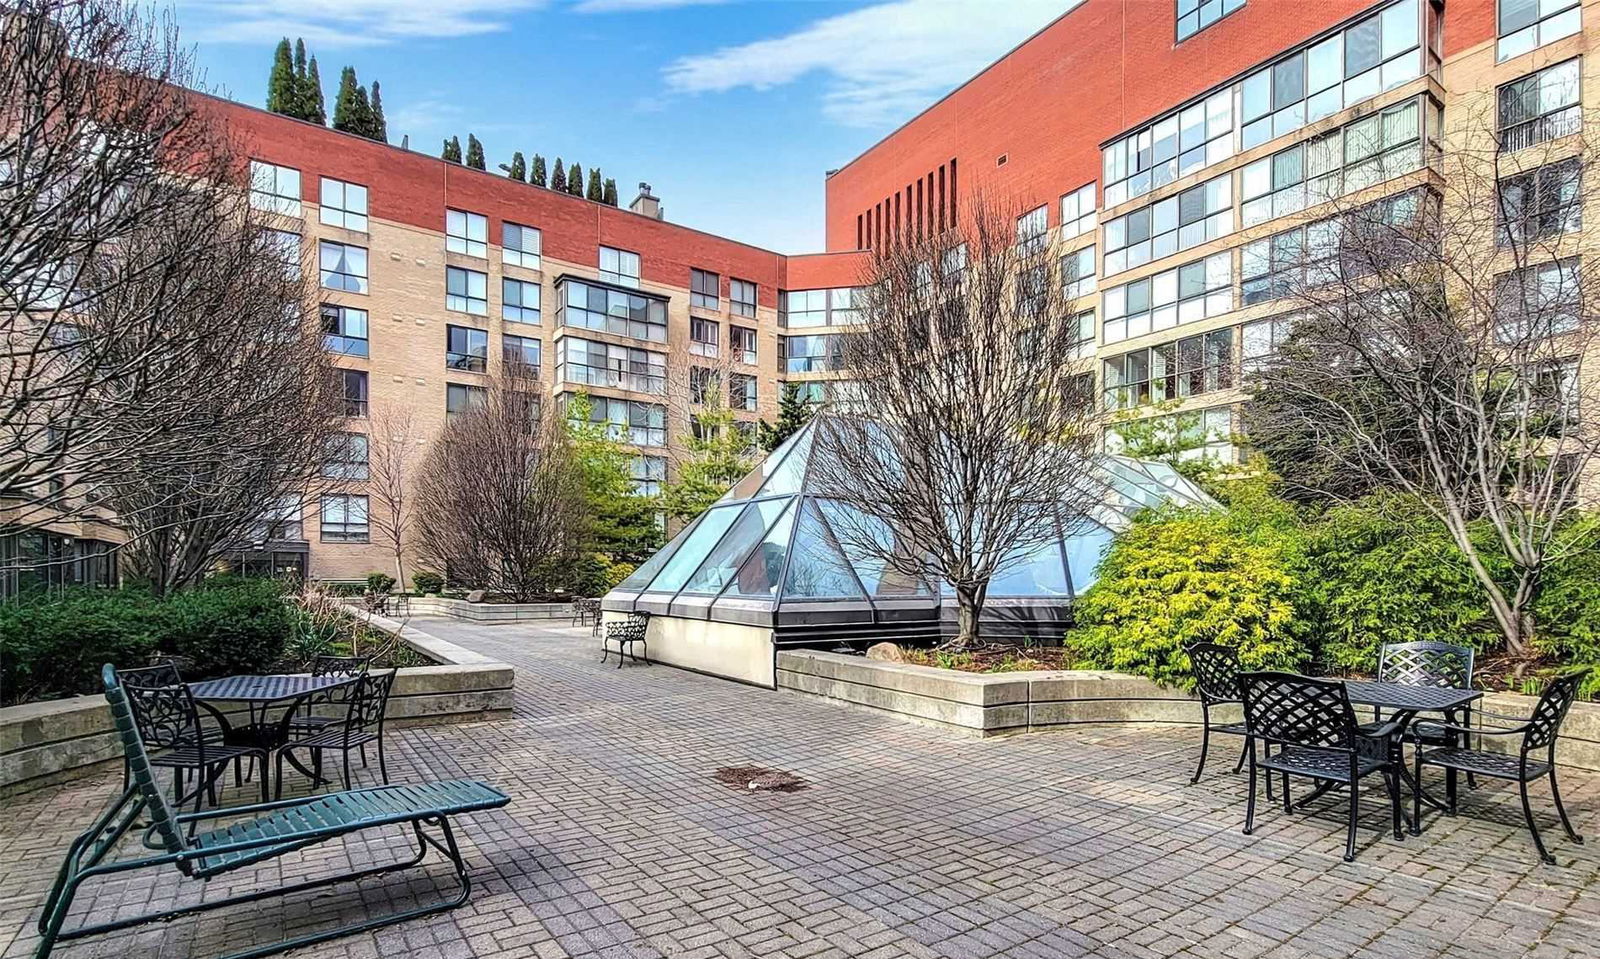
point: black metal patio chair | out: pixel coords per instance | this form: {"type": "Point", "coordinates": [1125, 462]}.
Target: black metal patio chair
{"type": "Point", "coordinates": [1428, 663]}
{"type": "Point", "coordinates": [337, 698]}
{"type": "Point", "coordinates": [258, 833]}
{"type": "Point", "coordinates": [1216, 679]}
{"type": "Point", "coordinates": [169, 721]}
{"type": "Point", "coordinates": [362, 725]}
{"type": "Point", "coordinates": [626, 634]}
{"type": "Point", "coordinates": [1312, 722]}
{"type": "Point", "coordinates": [1539, 733]}
{"type": "Point", "coordinates": [586, 612]}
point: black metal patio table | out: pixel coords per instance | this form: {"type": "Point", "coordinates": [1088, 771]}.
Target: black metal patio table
{"type": "Point", "coordinates": [260, 694]}
{"type": "Point", "coordinates": [1401, 704]}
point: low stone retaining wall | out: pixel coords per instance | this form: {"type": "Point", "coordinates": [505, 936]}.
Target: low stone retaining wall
{"type": "Point", "coordinates": [989, 704]}
{"type": "Point", "coordinates": [490, 613]}
{"type": "Point", "coordinates": [44, 742]}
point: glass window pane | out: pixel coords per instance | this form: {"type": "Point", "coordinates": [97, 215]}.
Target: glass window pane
{"type": "Point", "coordinates": [724, 559]}
{"type": "Point", "coordinates": [697, 544]}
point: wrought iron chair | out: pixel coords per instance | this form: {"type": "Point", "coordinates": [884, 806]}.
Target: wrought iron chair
{"type": "Point", "coordinates": [626, 634]}
{"type": "Point", "coordinates": [1428, 663]}
{"type": "Point", "coordinates": [169, 721]}
{"type": "Point", "coordinates": [1312, 722]}
{"type": "Point", "coordinates": [344, 667]}
{"type": "Point", "coordinates": [1216, 677]}
{"type": "Point", "coordinates": [267, 831]}
{"type": "Point", "coordinates": [586, 612]}
{"type": "Point", "coordinates": [362, 724]}
{"type": "Point", "coordinates": [1539, 734]}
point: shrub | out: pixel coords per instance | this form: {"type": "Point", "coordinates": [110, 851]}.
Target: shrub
{"type": "Point", "coordinates": [54, 645]}
{"type": "Point", "coordinates": [1177, 577]}
{"type": "Point", "coordinates": [1567, 613]}
{"type": "Point", "coordinates": [379, 582]}
{"type": "Point", "coordinates": [427, 581]}
{"type": "Point", "coordinates": [221, 630]}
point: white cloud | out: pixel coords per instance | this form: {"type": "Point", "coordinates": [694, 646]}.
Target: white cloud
{"type": "Point", "coordinates": [335, 23]}
{"type": "Point", "coordinates": [882, 63]}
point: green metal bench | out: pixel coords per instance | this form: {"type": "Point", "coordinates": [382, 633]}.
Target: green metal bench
{"type": "Point", "coordinates": [271, 830]}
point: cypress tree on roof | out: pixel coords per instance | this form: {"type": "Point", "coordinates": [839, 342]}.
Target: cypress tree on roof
{"type": "Point", "coordinates": [302, 82]}
{"type": "Point", "coordinates": [345, 108]}
{"type": "Point", "coordinates": [610, 194]}
{"type": "Point", "coordinates": [596, 191]}
{"type": "Point", "coordinates": [575, 179]}
{"type": "Point", "coordinates": [537, 179]}
{"type": "Point", "coordinates": [519, 168]}
{"type": "Point", "coordinates": [380, 126]}
{"type": "Point", "coordinates": [364, 124]}
{"type": "Point", "coordinates": [474, 153]}
{"type": "Point", "coordinates": [315, 109]}
{"type": "Point", "coordinates": [558, 179]}
{"type": "Point", "coordinates": [452, 150]}
{"type": "Point", "coordinates": [280, 82]}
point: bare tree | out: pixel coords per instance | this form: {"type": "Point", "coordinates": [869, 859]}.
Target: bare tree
{"type": "Point", "coordinates": [975, 443]}
{"type": "Point", "coordinates": [499, 501]}
{"type": "Point", "coordinates": [717, 448]}
{"type": "Point", "coordinates": [1442, 345]}
{"type": "Point", "coordinates": [392, 456]}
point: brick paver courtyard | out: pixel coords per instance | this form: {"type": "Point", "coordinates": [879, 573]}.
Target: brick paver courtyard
{"type": "Point", "coordinates": [909, 841]}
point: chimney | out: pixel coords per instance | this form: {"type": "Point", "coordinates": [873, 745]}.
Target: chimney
{"type": "Point", "coordinates": [646, 203]}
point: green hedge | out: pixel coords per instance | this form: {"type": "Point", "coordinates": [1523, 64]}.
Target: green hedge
{"type": "Point", "coordinates": [55, 645]}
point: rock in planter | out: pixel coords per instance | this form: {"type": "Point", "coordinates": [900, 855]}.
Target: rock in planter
{"type": "Point", "coordinates": [888, 652]}
{"type": "Point", "coordinates": [476, 596]}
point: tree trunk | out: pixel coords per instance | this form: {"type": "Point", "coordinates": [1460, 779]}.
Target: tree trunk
{"type": "Point", "coordinates": [969, 606]}
{"type": "Point", "coordinates": [400, 573]}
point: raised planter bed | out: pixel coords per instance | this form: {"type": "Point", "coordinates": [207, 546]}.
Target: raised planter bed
{"type": "Point", "coordinates": [490, 613]}
{"type": "Point", "coordinates": [990, 704]}
{"type": "Point", "coordinates": [45, 742]}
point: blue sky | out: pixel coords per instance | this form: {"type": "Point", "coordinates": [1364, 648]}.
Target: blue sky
{"type": "Point", "coordinates": [732, 109]}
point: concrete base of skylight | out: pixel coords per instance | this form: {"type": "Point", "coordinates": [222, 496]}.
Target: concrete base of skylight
{"type": "Point", "coordinates": [729, 650]}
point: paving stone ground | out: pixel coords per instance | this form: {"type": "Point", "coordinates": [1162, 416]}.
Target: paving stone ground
{"type": "Point", "coordinates": [909, 841]}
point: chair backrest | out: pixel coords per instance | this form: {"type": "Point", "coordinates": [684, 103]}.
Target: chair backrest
{"type": "Point", "coordinates": [1216, 672]}
{"type": "Point", "coordinates": [1551, 710]}
{"type": "Point", "coordinates": [163, 821]}
{"type": "Point", "coordinates": [164, 711]}
{"type": "Point", "coordinates": [340, 665]}
{"type": "Point", "coordinates": [1296, 710]}
{"type": "Point", "coordinates": [1427, 663]}
{"type": "Point", "coordinates": [368, 700]}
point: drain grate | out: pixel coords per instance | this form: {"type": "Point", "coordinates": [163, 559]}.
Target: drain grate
{"type": "Point", "coordinates": [759, 779]}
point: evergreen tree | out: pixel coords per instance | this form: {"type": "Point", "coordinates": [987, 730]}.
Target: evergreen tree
{"type": "Point", "coordinates": [364, 124]}
{"type": "Point", "coordinates": [622, 524]}
{"type": "Point", "coordinates": [474, 153]}
{"type": "Point", "coordinates": [519, 168]}
{"type": "Point", "coordinates": [452, 150]}
{"type": "Point", "coordinates": [281, 91]}
{"type": "Point", "coordinates": [718, 457]}
{"type": "Point", "coordinates": [316, 110]}
{"type": "Point", "coordinates": [575, 179]}
{"type": "Point", "coordinates": [346, 111]}
{"type": "Point", "coordinates": [302, 82]}
{"type": "Point", "coordinates": [558, 179]}
{"type": "Point", "coordinates": [793, 412]}
{"type": "Point", "coordinates": [609, 196]}
{"type": "Point", "coordinates": [380, 126]}
{"type": "Point", "coordinates": [537, 179]}
{"type": "Point", "coordinates": [596, 192]}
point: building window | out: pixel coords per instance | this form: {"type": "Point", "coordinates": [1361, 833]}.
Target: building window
{"type": "Point", "coordinates": [1077, 273]}
{"type": "Point", "coordinates": [591, 307]}
{"type": "Point", "coordinates": [1363, 153]}
{"type": "Point", "coordinates": [807, 354]}
{"type": "Point", "coordinates": [1197, 435]}
{"type": "Point", "coordinates": [639, 424]}
{"type": "Point", "coordinates": [1307, 256]}
{"type": "Point", "coordinates": [742, 297]}
{"type": "Point", "coordinates": [354, 390]}
{"type": "Point", "coordinates": [1540, 107]}
{"type": "Point", "coordinates": [343, 205]}
{"type": "Point", "coordinates": [460, 399]}
{"type": "Point", "coordinates": [344, 330]}
{"type": "Point", "coordinates": [1170, 148]}
{"type": "Point", "coordinates": [1031, 229]}
{"type": "Point", "coordinates": [344, 267]}
{"type": "Point", "coordinates": [705, 289]}
{"type": "Point", "coordinates": [466, 233]}
{"type": "Point", "coordinates": [619, 266]}
{"type": "Point", "coordinates": [742, 341]}
{"type": "Point", "coordinates": [519, 300]}
{"type": "Point", "coordinates": [286, 246]}
{"type": "Point", "coordinates": [1077, 212]}
{"type": "Point", "coordinates": [522, 355]}
{"type": "Point", "coordinates": [702, 384]}
{"type": "Point", "coordinates": [344, 518]}
{"type": "Point", "coordinates": [704, 336]}
{"type": "Point", "coordinates": [1538, 301]}
{"type": "Point", "coordinates": [466, 291]}
{"type": "Point", "coordinates": [1083, 335]}
{"type": "Point", "coordinates": [1529, 24]}
{"type": "Point", "coordinates": [1259, 341]}
{"type": "Point", "coordinates": [1193, 366]}
{"type": "Point", "coordinates": [466, 348]}
{"type": "Point", "coordinates": [520, 246]}
{"type": "Point", "coordinates": [798, 309]}
{"type": "Point", "coordinates": [347, 457]}
{"type": "Point", "coordinates": [648, 473]}
{"type": "Point", "coordinates": [1541, 204]}
{"type": "Point", "coordinates": [275, 188]}
{"type": "Point", "coordinates": [588, 363]}
{"type": "Point", "coordinates": [1196, 15]}
{"type": "Point", "coordinates": [742, 391]}
{"type": "Point", "coordinates": [1196, 215]}
{"type": "Point", "coordinates": [1186, 294]}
